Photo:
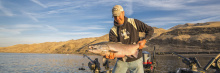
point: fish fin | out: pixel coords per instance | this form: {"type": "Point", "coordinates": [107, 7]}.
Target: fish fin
{"type": "Point", "coordinates": [113, 51]}
{"type": "Point", "coordinates": [116, 42]}
{"type": "Point", "coordinates": [130, 56]}
{"type": "Point", "coordinates": [119, 42]}
{"type": "Point", "coordinates": [104, 59]}
{"type": "Point", "coordinates": [135, 54]}
{"type": "Point", "coordinates": [124, 58]}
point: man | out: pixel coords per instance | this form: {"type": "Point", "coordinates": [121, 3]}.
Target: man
{"type": "Point", "coordinates": [126, 30]}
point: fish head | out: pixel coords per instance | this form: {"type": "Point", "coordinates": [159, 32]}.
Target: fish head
{"type": "Point", "coordinates": [101, 49]}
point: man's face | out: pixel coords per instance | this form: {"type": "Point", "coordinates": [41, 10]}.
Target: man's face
{"type": "Point", "coordinates": [119, 19]}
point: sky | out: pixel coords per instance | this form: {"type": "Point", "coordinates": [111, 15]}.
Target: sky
{"type": "Point", "coordinates": [38, 21]}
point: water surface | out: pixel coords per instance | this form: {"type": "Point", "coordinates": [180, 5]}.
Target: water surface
{"type": "Point", "coordinates": [41, 63]}
{"type": "Point", "coordinates": [63, 63]}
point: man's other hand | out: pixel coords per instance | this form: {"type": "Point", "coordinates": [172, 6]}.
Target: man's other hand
{"type": "Point", "coordinates": [142, 43]}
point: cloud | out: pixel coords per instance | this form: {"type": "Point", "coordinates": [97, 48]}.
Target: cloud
{"type": "Point", "coordinates": [161, 4]}
{"type": "Point", "coordinates": [19, 28]}
{"type": "Point", "coordinates": [76, 33]}
{"type": "Point", "coordinates": [30, 15]}
{"type": "Point", "coordinates": [86, 28]}
{"type": "Point", "coordinates": [111, 22]}
{"type": "Point", "coordinates": [60, 3]}
{"type": "Point", "coordinates": [128, 8]}
{"type": "Point", "coordinates": [182, 7]}
{"type": "Point", "coordinates": [8, 31]}
{"type": "Point", "coordinates": [64, 10]}
{"type": "Point", "coordinates": [26, 26]}
{"type": "Point", "coordinates": [205, 10]}
{"type": "Point", "coordinates": [79, 35]}
{"type": "Point", "coordinates": [213, 18]}
{"type": "Point", "coordinates": [39, 3]}
{"type": "Point", "coordinates": [5, 10]}
{"type": "Point", "coordinates": [182, 12]}
{"type": "Point", "coordinates": [164, 23]}
{"type": "Point", "coordinates": [69, 6]}
{"type": "Point", "coordinates": [51, 28]}
{"type": "Point", "coordinates": [170, 18]}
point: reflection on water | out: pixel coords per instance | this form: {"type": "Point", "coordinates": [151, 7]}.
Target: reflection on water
{"type": "Point", "coordinates": [20, 62]}
{"type": "Point", "coordinates": [62, 63]}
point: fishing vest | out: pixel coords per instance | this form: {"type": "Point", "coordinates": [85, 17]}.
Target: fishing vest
{"type": "Point", "coordinates": [130, 20]}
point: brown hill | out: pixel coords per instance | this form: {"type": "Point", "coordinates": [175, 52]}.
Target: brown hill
{"type": "Point", "coordinates": [189, 25]}
{"type": "Point", "coordinates": [66, 47]}
{"type": "Point", "coordinates": [191, 36]}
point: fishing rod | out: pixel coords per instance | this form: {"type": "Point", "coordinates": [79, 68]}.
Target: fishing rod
{"type": "Point", "coordinates": [192, 62]}
{"type": "Point", "coordinates": [84, 46]}
{"type": "Point", "coordinates": [94, 65]}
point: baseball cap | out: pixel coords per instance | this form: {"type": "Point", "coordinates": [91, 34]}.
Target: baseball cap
{"type": "Point", "coordinates": [116, 10]}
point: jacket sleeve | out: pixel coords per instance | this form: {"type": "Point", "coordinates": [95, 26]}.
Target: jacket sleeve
{"type": "Point", "coordinates": [112, 37]}
{"type": "Point", "coordinates": [142, 27]}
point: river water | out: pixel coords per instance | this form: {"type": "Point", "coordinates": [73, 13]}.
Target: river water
{"type": "Point", "coordinates": [70, 63]}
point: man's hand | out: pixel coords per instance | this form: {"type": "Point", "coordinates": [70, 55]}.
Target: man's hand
{"type": "Point", "coordinates": [110, 56]}
{"type": "Point", "coordinates": [142, 43]}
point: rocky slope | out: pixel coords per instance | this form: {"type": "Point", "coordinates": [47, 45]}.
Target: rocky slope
{"type": "Point", "coordinates": [193, 36]}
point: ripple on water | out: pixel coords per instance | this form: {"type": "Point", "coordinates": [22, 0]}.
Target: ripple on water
{"type": "Point", "coordinates": [61, 63]}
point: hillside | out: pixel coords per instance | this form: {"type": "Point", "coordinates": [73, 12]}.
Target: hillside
{"type": "Point", "coordinates": [191, 36]}
{"type": "Point", "coordinates": [187, 37]}
{"type": "Point", "coordinates": [66, 47]}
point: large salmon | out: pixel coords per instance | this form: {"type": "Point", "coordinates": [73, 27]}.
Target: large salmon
{"type": "Point", "coordinates": [120, 50]}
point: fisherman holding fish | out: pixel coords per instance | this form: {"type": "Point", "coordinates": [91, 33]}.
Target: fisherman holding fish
{"type": "Point", "coordinates": [124, 42]}
{"type": "Point", "coordinates": [126, 30]}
